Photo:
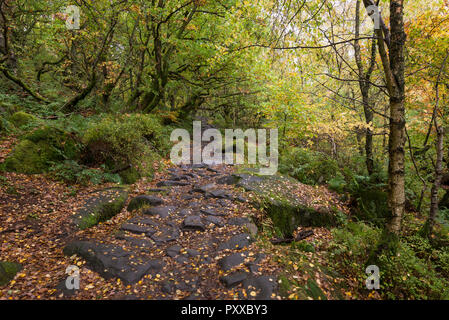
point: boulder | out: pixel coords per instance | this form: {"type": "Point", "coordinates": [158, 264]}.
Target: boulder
{"type": "Point", "coordinates": [144, 200]}
{"type": "Point", "coordinates": [111, 261]}
{"type": "Point", "coordinates": [100, 206]}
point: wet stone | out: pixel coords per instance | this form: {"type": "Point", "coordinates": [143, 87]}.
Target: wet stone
{"type": "Point", "coordinates": [185, 212]}
{"type": "Point", "coordinates": [192, 253]}
{"type": "Point", "coordinates": [234, 279]}
{"type": "Point", "coordinates": [171, 183]}
{"type": "Point", "coordinates": [219, 194]}
{"type": "Point", "coordinates": [135, 242]}
{"type": "Point", "coordinates": [143, 220]}
{"type": "Point", "coordinates": [137, 229]}
{"type": "Point", "coordinates": [173, 251]}
{"type": "Point", "coordinates": [193, 223]}
{"type": "Point", "coordinates": [142, 200]}
{"type": "Point", "coordinates": [162, 212]}
{"type": "Point", "coordinates": [238, 221]}
{"type": "Point", "coordinates": [231, 261]}
{"type": "Point", "coordinates": [264, 286]}
{"type": "Point", "coordinates": [112, 261]}
{"type": "Point", "coordinates": [169, 233]}
{"type": "Point", "coordinates": [205, 188]}
{"type": "Point", "coordinates": [219, 222]}
{"type": "Point", "coordinates": [239, 241]}
{"type": "Point", "coordinates": [212, 212]}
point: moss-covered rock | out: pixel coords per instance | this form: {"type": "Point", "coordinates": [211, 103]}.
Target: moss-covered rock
{"type": "Point", "coordinates": [286, 209]}
{"type": "Point", "coordinates": [101, 206]}
{"type": "Point", "coordinates": [130, 176]}
{"type": "Point", "coordinates": [21, 119]}
{"type": "Point", "coordinates": [7, 271]}
{"type": "Point", "coordinates": [39, 149]}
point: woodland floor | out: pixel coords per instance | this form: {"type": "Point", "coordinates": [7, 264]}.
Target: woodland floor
{"type": "Point", "coordinates": [35, 226]}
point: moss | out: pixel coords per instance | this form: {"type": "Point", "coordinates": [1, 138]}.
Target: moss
{"type": "Point", "coordinates": [130, 176]}
{"type": "Point", "coordinates": [27, 158]}
{"type": "Point", "coordinates": [40, 149]}
{"type": "Point", "coordinates": [288, 216]}
{"type": "Point", "coordinates": [7, 271]}
{"type": "Point", "coordinates": [21, 119]}
{"type": "Point", "coordinates": [314, 291]}
{"type": "Point", "coordinates": [101, 208]}
{"type": "Point", "coordinates": [303, 246]}
{"type": "Point", "coordinates": [285, 286]}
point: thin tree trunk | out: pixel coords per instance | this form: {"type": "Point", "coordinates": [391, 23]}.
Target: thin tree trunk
{"type": "Point", "coordinates": [440, 152]}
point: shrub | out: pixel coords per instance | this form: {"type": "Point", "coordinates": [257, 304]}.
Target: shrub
{"type": "Point", "coordinates": [22, 119]}
{"type": "Point", "coordinates": [72, 172]}
{"type": "Point", "coordinates": [135, 140]}
{"type": "Point", "coordinates": [409, 274]}
{"type": "Point", "coordinates": [41, 148]}
{"type": "Point", "coordinates": [307, 166]}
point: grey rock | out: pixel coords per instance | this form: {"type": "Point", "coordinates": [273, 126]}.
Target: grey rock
{"type": "Point", "coordinates": [211, 212]}
{"type": "Point", "coordinates": [170, 183]}
{"type": "Point", "coordinates": [137, 229]}
{"type": "Point", "coordinates": [112, 261]}
{"type": "Point", "coordinates": [193, 223]}
{"type": "Point", "coordinates": [231, 261]}
{"type": "Point", "coordinates": [173, 251]}
{"type": "Point", "coordinates": [264, 286]}
{"type": "Point", "coordinates": [234, 279]}
{"type": "Point", "coordinates": [239, 241]}
{"type": "Point", "coordinates": [162, 212]}
{"type": "Point", "coordinates": [142, 200]}
{"type": "Point", "coordinates": [219, 222]}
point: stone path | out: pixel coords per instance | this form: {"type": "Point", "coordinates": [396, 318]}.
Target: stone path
{"type": "Point", "coordinates": [185, 241]}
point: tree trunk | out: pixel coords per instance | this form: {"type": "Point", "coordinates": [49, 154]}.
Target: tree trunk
{"type": "Point", "coordinates": [396, 143]}
{"type": "Point", "coordinates": [437, 182]}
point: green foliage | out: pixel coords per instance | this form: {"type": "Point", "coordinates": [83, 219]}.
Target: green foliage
{"type": "Point", "coordinates": [303, 246]}
{"type": "Point", "coordinates": [117, 141]}
{"type": "Point", "coordinates": [41, 148]}
{"type": "Point", "coordinates": [7, 271]}
{"type": "Point", "coordinates": [307, 166]}
{"type": "Point", "coordinates": [22, 119]}
{"type": "Point", "coordinates": [407, 274]}
{"type": "Point", "coordinates": [72, 172]}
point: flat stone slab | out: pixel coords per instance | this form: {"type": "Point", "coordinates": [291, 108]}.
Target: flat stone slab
{"type": "Point", "coordinates": [193, 223]}
{"type": "Point", "coordinates": [144, 200]}
{"type": "Point", "coordinates": [137, 229]}
{"type": "Point", "coordinates": [219, 222]}
{"type": "Point", "coordinates": [264, 286]}
{"type": "Point", "coordinates": [239, 241]}
{"type": "Point", "coordinates": [171, 183]}
{"type": "Point", "coordinates": [219, 194]}
{"type": "Point", "coordinates": [162, 212]}
{"type": "Point", "coordinates": [234, 279]}
{"type": "Point", "coordinates": [112, 261]}
{"type": "Point", "coordinates": [231, 261]}
{"type": "Point", "coordinates": [212, 212]}
{"type": "Point", "coordinates": [101, 206]}
{"type": "Point", "coordinates": [167, 234]}
{"type": "Point", "coordinates": [136, 242]}
{"type": "Point", "coordinates": [204, 188]}
{"type": "Point", "coordinates": [143, 220]}
{"type": "Point", "coordinates": [173, 251]}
